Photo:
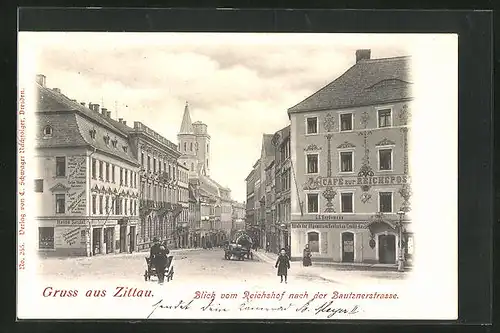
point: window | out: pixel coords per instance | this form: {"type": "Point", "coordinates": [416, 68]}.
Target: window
{"type": "Point", "coordinates": [385, 159]}
{"type": "Point", "coordinates": [169, 172]}
{"type": "Point", "coordinates": [207, 162]}
{"type": "Point", "coordinates": [121, 176]}
{"type": "Point", "coordinates": [117, 206]}
{"type": "Point", "coordinates": [101, 170]}
{"type": "Point", "coordinates": [384, 118]}
{"type": "Point", "coordinates": [38, 185]}
{"type": "Point", "coordinates": [191, 146]}
{"type": "Point", "coordinates": [313, 241]}
{"type": "Point", "coordinates": [154, 164]}
{"type": "Point", "coordinates": [94, 169]}
{"type": "Point", "coordinates": [192, 166]}
{"type": "Point", "coordinates": [101, 205]}
{"type": "Point", "coordinates": [159, 167]}
{"type": "Point", "coordinates": [107, 205]}
{"type": "Point", "coordinates": [113, 174]}
{"type": "Point", "coordinates": [165, 166]}
{"type": "Point", "coordinates": [185, 146]}
{"type": "Point", "coordinates": [346, 203]}
{"type": "Point", "coordinates": [46, 237]}
{"type": "Point", "coordinates": [312, 163]}
{"type": "Point", "coordinates": [312, 125]}
{"type": "Point", "coordinates": [125, 149]}
{"type": "Point", "coordinates": [385, 202]}
{"type": "Point", "coordinates": [346, 122]}
{"type": "Point", "coordinates": [60, 203]}
{"type": "Point", "coordinates": [346, 158]}
{"type": "Point", "coordinates": [207, 148]}
{"type": "Point", "coordinates": [60, 166]}
{"type": "Point", "coordinates": [142, 159]}
{"type": "Point", "coordinates": [107, 172]}
{"type": "Point", "coordinates": [92, 133]}
{"type": "Point", "coordinates": [312, 203]}
{"type": "Point", "coordinates": [125, 207]}
{"type": "Point", "coordinates": [47, 131]}
{"type": "Point", "coordinates": [94, 204]}
{"type": "Point", "coordinates": [126, 177]}
{"type": "Point", "coordinates": [149, 163]}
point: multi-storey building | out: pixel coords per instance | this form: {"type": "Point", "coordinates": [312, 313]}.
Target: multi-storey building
{"type": "Point", "coordinates": [349, 151]}
{"type": "Point", "coordinates": [226, 217]}
{"type": "Point", "coordinates": [184, 232]}
{"type": "Point", "coordinates": [250, 200]}
{"type": "Point", "coordinates": [283, 178]}
{"type": "Point", "coordinates": [194, 217]}
{"type": "Point", "coordinates": [158, 189]}
{"type": "Point", "coordinates": [270, 208]}
{"type": "Point", "coordinates": [86, 182]}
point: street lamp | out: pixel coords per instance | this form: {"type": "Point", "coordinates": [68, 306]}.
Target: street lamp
{"type": "Point", "coordinates": [399, 225]}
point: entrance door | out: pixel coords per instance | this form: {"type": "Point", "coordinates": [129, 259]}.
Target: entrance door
{"type": "Point", "coordinates": [387, 249]}
{"type": "Point", "coordinates": [347, 247]}
{"type": "Point", "coordinates": [132, 239]}
{"type": "Point", "coordinates": [108, 236]}
{"type": "Point", "coordinates": [96, 241]}
{"type": "Point", "coordinates": [123, 238]}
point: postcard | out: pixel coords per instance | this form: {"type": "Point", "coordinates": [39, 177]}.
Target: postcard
{"type": "Point", "coordinates": [237, 176]}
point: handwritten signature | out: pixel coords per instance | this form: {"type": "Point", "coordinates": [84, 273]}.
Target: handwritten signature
{"type": "Point", "coordinates": [328, 307]}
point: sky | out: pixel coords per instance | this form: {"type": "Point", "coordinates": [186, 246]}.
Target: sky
{"type": "Point", "coordinates": [240, 85]}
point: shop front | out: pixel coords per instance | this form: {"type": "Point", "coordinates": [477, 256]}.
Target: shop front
{"type": "Point", "coordinates": [63, 237]}
{"type": "Point", "coordinates": [352, 240]}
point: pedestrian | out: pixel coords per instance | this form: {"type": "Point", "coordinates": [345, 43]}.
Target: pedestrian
{"type": "Point", "coordinates": [306, 256]}
{"type": "Point", "coordinates": [268, 247]}
{"type": "Point", "coordinates": [283, 265]}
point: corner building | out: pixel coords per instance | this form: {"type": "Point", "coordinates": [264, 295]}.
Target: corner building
{"type": "Point", "coordinates": [86, 179]}
{"type": "Point", "coordinates": [349, 148]}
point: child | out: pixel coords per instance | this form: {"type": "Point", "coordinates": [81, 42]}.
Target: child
{"type": "Point", "coordinates": [283, 264]}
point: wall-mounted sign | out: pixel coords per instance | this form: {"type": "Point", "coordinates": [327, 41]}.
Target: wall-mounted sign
{"type": "Point", "coordinates": [355, 181]}
{"type": "Point", "coordinates": [71, 222]}
{"type": "Point", "coordinates": [331, 225]}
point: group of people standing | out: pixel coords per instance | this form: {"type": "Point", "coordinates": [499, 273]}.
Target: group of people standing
{"type": "Point", "coordinates": [283, 262]}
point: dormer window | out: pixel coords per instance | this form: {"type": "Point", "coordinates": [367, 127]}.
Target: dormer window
{"type": "Point", "coordinates": [93, 132]}
{"type": "Point", "coordinates": [125, 148]}
{"type": "Point", "coordinates": [47, 131]}
{"type": "Point", "coordinates": [114, 143]}
{"type": "Point", "coordinates": [106, 139]}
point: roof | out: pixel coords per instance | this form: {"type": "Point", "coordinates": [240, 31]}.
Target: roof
{"type": "Point", "coordinates": [187, 124]}
{"type": "Point", "coordinates": [71, 123]}
{"type": "Point", "coordinates": [371, 81]}
{"type": "Point", "coordinates": [209, 186]}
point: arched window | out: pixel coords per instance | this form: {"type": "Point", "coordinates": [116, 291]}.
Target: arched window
{"type": "Point", "coordinates": [207, 149]}
{"type": "Point", "coordinates": [313, 241]}
{"type": "Point", "coordinates": [185, 146]}
{"type": "Point", "coordinates": [191, 146]}
{"type": "Point", "coordinates": [47, 131]}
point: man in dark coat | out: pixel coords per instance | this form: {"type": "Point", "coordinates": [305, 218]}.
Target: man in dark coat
{"type": "Point", "coordinates": [158, 256]}
{"type": "Point", "coordinates": [283, 265]}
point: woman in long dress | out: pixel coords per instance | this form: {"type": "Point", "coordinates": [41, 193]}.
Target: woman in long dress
{"type": "Point", "coordinates": [283, 265]}
{"type": "Point", "coordinates": [306, 259]}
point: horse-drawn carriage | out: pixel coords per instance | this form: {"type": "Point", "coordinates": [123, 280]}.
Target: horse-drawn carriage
{"type": "Point", "coordinates": [151, 269]}
{"type": "Point", "coordinates": [240, 248]}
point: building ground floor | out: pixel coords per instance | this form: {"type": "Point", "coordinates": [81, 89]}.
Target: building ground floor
{"type": "Point", "coordinates": [89, 236]}
{"type": "Point", "coordinates": [352, 241]}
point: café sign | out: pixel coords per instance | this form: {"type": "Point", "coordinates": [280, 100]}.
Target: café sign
{"type": "Point", "coordinates": [353, 181]}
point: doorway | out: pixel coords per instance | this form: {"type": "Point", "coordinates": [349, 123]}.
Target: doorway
{"type": "Point", "coordinates": [132, 239]}
{"type": "Point", "coordinates": [347, 247]}
{"type": "Point", "coordinates": [96, 241]}
{"type": "Point", "coordinates": [387, 249]}
{"type": "Point", "coordinates": [123, 238]}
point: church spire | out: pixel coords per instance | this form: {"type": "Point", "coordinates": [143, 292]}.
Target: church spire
{"type": "Point", "coordinates": [187, 125]}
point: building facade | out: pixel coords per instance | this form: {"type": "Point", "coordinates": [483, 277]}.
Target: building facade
{"type": "Point", "coordinates": [184, 231]}
{"type": "Point", "coordinates": [238, 212]}
{"type": "Point", "coordinates": [86, 179]}
{"type": "Point", "coordinates": [349, 150]}
{"type": "Point", "coordinates": [283, 178]}
{"type": "Point", "coordinates": [158, 206]}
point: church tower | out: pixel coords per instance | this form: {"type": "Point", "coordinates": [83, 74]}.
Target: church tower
{"type": "Point", "coordinates": [187, 144]}
{"type": "Point", "coordinates": [202, 147]}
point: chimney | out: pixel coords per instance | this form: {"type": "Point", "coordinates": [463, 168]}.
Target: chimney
{"type": "Point", "coordinates": [57, 90]}
{"type": "Point", "coordinates": [124, 122]}
{"type": "Point", "coordinates": [82, 103]}
{"type": "Point", "coordinates": [104, 111]}
{"type": "Point", "coordinates": [108, 114]}
{"type": "Point", "coordinates": [96, 108]}
{"type": "Point", "coordinates": [363, 54]}
{"type": "Point", "coordinates": [40, 79]}
{"type": "Point", "coordinates": [120, 120]}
